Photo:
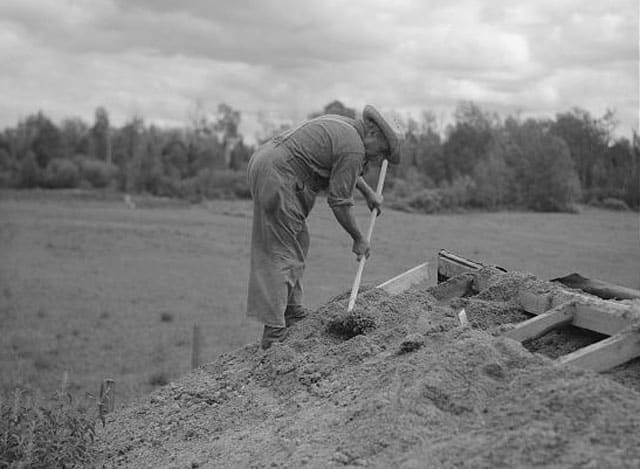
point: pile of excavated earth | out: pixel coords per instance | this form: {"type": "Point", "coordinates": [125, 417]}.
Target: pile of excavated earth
{"type": "Point", "coordinates": [397, 382]}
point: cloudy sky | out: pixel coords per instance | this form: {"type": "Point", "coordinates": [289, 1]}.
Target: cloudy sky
{"type": "Point", "coordinates": [282, 59]}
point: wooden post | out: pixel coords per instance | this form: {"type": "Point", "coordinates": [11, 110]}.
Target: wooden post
{"type": "Point", "coordinates": [107, 399]}
{"type": "Point", "coordinates": [64, 385]}
{"type": "Point", "coordinates": [196, 347]}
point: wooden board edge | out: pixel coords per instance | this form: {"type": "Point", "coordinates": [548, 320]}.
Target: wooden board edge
{"type": "Point", "coordinates": [605, 354]}
{"type": "Point", "coordinates": [603, 316]}
{"type": "Point", "coordinates": [539, 325]}
{"type": "Point", "coordinates": [405, 280]}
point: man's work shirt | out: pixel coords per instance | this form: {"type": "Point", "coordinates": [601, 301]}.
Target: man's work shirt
{"type": "Point", "coordinates": [332, 148]}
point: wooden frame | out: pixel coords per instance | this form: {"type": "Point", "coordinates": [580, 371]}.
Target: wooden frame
{"type": "Point", "coordinates": [607, 353]}
{"type": "Point", "coordinates": [558, 306]}
{"type": "Point", "coordinates": [539, 325]}
{"type": "Point", "coordinates": [404, 281]}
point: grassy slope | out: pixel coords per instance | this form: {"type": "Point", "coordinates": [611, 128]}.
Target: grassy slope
{"type": "Point", "coordinates": [85, 283]}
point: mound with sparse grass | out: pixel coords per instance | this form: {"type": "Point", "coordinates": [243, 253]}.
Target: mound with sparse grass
{"type": "Point", "coordinates": [397, 382]}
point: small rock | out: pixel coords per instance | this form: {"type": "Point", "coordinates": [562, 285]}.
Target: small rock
{"type": "Point", "coordinates": [410, 343]}
{"type": "Point", "coordinates": [341, 458]}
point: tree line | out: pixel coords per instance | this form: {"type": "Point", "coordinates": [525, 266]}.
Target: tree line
{"type": "Point", "coordinates": [479, 161]}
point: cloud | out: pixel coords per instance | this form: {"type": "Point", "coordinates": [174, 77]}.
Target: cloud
{"type": "Point", "coordinates": [287, 58]}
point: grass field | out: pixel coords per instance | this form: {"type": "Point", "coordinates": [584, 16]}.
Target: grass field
{"type": "Point", "coordinates": [94, 289]}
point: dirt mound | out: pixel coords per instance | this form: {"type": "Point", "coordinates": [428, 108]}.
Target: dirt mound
{"type": "Point", "coordinates": [398, 382]}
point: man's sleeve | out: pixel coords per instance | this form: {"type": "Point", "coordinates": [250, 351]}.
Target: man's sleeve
{"type": "Point", "coordinates": [342, 180]}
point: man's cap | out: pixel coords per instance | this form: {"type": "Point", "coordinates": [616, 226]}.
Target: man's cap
{"type": "Point", "coordinates": [392, 135]}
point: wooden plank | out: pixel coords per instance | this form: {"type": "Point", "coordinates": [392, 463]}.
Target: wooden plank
{"type": "Point", "coordinates": [607, 353]}
{"type": "Point", "coordinates": [605, 317]}
{"type": "Point", "coordinates": [456, 287]}
{"type": "Point", "coordinates": [404, 281]}
{"type": "Point", "coordinates": [599, 288]}
{"type": "Point", "coordinates": [451, 265]}
{"type": "Point", "coordinates": [537, 303]}
{"type": "Point", "coordinates": [543, 323]}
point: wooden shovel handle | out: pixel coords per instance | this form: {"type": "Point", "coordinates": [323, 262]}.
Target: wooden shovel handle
{"type": "Point", "coordinates": [374, 215]}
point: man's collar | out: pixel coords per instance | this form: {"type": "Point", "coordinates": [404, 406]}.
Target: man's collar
{"type": "Point", "coordinates": [359, 125]}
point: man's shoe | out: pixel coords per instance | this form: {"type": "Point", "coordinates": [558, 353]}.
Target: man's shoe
{"type": "Point", "coordinates": [294, 314]}
{"type": "Point", "coordinates": [271, 335]}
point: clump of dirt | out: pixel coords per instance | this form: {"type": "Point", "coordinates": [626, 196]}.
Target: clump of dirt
{"type": "Point", "coordinates": [350, 325]}
{"type": "Point", "coordinates": [398, 382]}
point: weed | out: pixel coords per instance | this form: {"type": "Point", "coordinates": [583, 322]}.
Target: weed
{"type": "Point", "coordinates": [38, 433]}
{"type": "Point", "coordinates": [42, 313]}
{"type": "Point", "coordinates": [41, 362]}
{"type": "Point", "coordinates": [159, 378]}
{"type": "Point", "coordinates": [166, 317]}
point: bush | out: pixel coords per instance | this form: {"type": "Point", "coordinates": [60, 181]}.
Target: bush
{"type": "Point", "coordinates": [7, 180]}
{"type": "Point", "coordinates": [61, 174]}
{"type": "Point", "coordinates": [403, 188]}
{"type": "Point", "coordinates": [30, 173]}
{"type": "Point", "coordinates": [612, 203]}
{"type": "Point", "coordinates": [159, 378]}
{"type": "Point", "coordinates": [45, 434]}
{"type": "Point", "coordinates": [227, 184]}
{"type": "Point", "coordinates": [458, 194]}
{"type": "Point", "coordinates": [98, 173]}
{"type": "Point", "coordinates": [214, 184]}
{"type": "Point", "coordinates": [426, 201]}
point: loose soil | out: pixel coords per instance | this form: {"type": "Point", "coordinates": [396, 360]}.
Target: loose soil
{"type": "Point", "coordinates": [398, 382]}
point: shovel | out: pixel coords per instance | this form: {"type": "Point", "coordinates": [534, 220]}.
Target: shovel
{"type": "Point", "coordinates": [374, 214]}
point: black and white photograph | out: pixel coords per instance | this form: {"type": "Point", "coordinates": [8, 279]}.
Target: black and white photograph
{"type": "Point", "coordinates": [319, 234]}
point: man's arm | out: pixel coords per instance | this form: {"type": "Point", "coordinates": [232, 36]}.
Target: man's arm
{"type": "Point", "coordinates": [374, 201]}
{"type": "Point", "coordinates": [345, 217]}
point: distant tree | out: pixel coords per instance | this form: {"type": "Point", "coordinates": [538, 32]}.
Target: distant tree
{"type": "Point", "coordinates": [467, 140]}
{"type": "Point", "coordinates": [227, 123]}
{"type": "Point", "coordinates": [200, 121]}
{"type": "Point", "coordinates": [240, 156]}
{"type": "Point", "coordinates": [40, 135]}
{"type": "Point", "coordinates": [335, 107]}
{"type": "Point", "coordinates": [175, 158]}
{"type": "Point", "coordinates": [30, 173]}
{"type": "Point", "coordinates": [587, 139]}
{"type": "Point", "coordinates": [421, 152]}
{"type": "Point", "coordinates": [548, 180]}
{"type": "Point", "coordinates": [6, 162]}
{"type": "Point", "coordinates": [430, 157]}
{"type": "Point", "coordinates": [100, 135]}
{"type": "Point", "coordinates": [128, 147]}
{"type": "Point", "coordinates": [494, 184]}
{"type": "Point", "coordinates": [633, 186]}
{"type": "Point", "coordinates": [212, 137]}
{"type": "Point", "coordinates": [75, 137]}
{"type": "Point", "coordinates": [7, 168]}
{"type": "Point", "coordinates": [61, 173]}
